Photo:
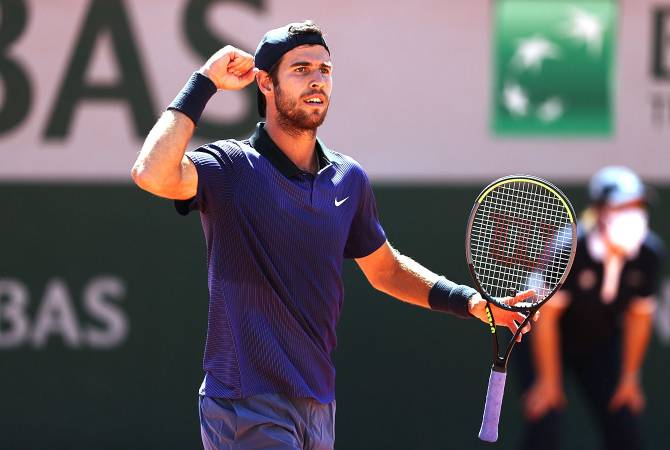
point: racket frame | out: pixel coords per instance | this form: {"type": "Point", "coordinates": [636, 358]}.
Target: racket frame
{"type": "Point", "coordinates": [468, 254]}
{"type": "Point", "coordinates": [489, 430]}
{"type": "Point", "coordinates": [500, 362]}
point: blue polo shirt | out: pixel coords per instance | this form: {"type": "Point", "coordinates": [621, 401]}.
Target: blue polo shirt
{"type": "Point", "coordinates": [276, 239]}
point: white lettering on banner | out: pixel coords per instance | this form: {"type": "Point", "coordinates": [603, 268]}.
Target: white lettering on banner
{"type": "Point", "coordinates": [56, 318]}
{"type": "Point", "coordinates": [97, 303]}
{"type": "Point", "coordinates": [13, 301]}
{"type": "Point", "coordinates": [662, 316]}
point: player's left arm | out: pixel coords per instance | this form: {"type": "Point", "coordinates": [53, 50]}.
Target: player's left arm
{"type": "Point", "coordinates": [637, 327]}
{"type": "Point", "coordinates": [401, 277]}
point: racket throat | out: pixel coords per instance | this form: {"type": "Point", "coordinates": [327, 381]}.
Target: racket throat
{"type": "Point", "coordinates": [500, 365]}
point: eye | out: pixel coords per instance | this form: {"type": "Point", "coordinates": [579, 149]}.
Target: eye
{"type": "Point", "coordinates": [325, 70]}
{"type": "Point", "coordinates": [300, 69]}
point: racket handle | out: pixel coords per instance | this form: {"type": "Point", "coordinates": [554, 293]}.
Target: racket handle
{"type": "Point", "coordinates": [489, 430]}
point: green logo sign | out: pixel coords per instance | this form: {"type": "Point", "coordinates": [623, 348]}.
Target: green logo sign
{"type": "Point", "coordinates": [554, 67]}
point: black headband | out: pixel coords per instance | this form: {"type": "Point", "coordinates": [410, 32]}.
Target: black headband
{"type": "Point", "coordinates": [275, 44]}
{"type": "Point", "coordinates": [279, 41]}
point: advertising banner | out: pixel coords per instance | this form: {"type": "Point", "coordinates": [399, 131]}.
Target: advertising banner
{"type": "Point", "coordinates": [554, 67]}
{"type": "Point", "coordinates": [424, 91]}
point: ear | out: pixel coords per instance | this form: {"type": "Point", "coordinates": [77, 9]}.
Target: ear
{"type": "Point", "coordinates": [264, 81]}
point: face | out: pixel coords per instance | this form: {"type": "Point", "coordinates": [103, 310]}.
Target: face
{"type": "Point", "coordinates": [624, 227]}
{"type": "Point", "coordinates": [303, 88]}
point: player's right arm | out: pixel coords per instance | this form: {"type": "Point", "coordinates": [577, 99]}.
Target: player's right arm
{"type": "Point", "coordinates": [162, 167]}
{"type": "Point", "coordinates": [547, 391]}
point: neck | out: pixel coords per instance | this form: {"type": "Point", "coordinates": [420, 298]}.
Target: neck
{"type": "Point", "coordinates": [298, 145]}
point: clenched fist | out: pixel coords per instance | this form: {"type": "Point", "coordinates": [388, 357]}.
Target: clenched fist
{"type": "Point", "coordinates": [230, 68]}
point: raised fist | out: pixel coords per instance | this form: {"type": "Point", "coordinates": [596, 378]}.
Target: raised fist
{"type": "Point", "coordinates": [230, 68]}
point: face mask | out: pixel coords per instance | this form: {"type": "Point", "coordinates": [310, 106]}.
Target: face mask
{"type": "Point", "coordinates": [626, 229]}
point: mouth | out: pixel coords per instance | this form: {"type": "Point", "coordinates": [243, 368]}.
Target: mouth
{"type": "Point", "coordinates": [315, 100]}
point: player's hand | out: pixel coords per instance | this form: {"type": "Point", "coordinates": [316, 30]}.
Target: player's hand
{"type": "Point", "coordinates": [628, 393]}
{"type": "Point", "coordinates": [230, 68]}
{"type": "Point", "coordinates": [502, 317]}
{"type": "Point", "coordinates": [542, 397]}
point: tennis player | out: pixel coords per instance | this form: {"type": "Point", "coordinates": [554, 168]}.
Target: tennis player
{"type": "Point", "coordinates": [280, 211]}
{"type": "Point", "coordinates": [598, 326]}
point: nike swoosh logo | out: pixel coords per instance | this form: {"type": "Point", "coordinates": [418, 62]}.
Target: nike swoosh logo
{"type": "Point", "coordinates": [341, 201]}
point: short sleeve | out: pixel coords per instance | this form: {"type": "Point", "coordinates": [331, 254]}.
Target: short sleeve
{"type": "Point", "coordinates": [652, 262]}
{"type": "Point", "coordinates": [581, 261]}
{"type": "Point", "coordinates": [366, 233]}
{"type": "Point", "coordinates": [216, 179]}
{"type": "Point", "coordinates": [570, 283]}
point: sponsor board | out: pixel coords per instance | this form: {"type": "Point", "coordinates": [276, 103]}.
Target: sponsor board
{"type": "Point", "coordinates": [82, 81]}
{"type": "Point", "coordinates": [554, 68]}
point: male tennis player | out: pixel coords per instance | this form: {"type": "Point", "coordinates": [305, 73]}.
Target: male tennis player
{"type": "Point", "coordinates": [279, 212]}
{"type": "Point", "coordinates": [598, 326]}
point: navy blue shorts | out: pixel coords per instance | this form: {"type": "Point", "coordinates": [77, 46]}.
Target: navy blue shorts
{"type": "Point", "coordinates": [267, 421]}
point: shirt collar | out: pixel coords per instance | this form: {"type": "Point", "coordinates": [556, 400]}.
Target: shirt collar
{"type": "Point", "coordinates": [263, 143]}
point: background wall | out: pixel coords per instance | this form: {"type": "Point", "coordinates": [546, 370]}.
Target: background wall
{"type": "Point", "coordinates": [104, 312]}
{"type": "Point", "coordinates": [103, 296]}
{"type": "Point", "coordinates": [85, 80]}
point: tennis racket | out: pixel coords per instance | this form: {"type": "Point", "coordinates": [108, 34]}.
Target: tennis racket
{"type": "Point", "coordinates": [521, 235]}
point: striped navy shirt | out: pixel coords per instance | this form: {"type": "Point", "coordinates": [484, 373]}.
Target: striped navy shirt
{"type": "Point", "coordinates": [276, 239]}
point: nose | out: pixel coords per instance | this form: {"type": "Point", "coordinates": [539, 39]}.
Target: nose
{"type": "Point", "coordinates": [319, 80]}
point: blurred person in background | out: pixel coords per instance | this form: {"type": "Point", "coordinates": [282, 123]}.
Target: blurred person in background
{"type": "Point", "coordinates": [598, 326]}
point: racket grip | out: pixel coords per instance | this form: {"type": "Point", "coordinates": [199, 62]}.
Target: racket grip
{"type": "Point", "coordinates": [489, 430]}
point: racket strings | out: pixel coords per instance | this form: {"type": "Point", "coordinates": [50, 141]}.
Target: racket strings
{"type": "Point", "coordinates": [508, 198]}
{"type": "Point", "coordinates": [521, 238]}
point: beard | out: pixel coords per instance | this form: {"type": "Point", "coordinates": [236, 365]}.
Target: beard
{"type": "Point", "coordinates": [295, 119]}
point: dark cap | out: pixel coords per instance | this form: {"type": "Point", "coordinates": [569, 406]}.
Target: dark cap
{"type": "Point", "coordinates": [279, 41]}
